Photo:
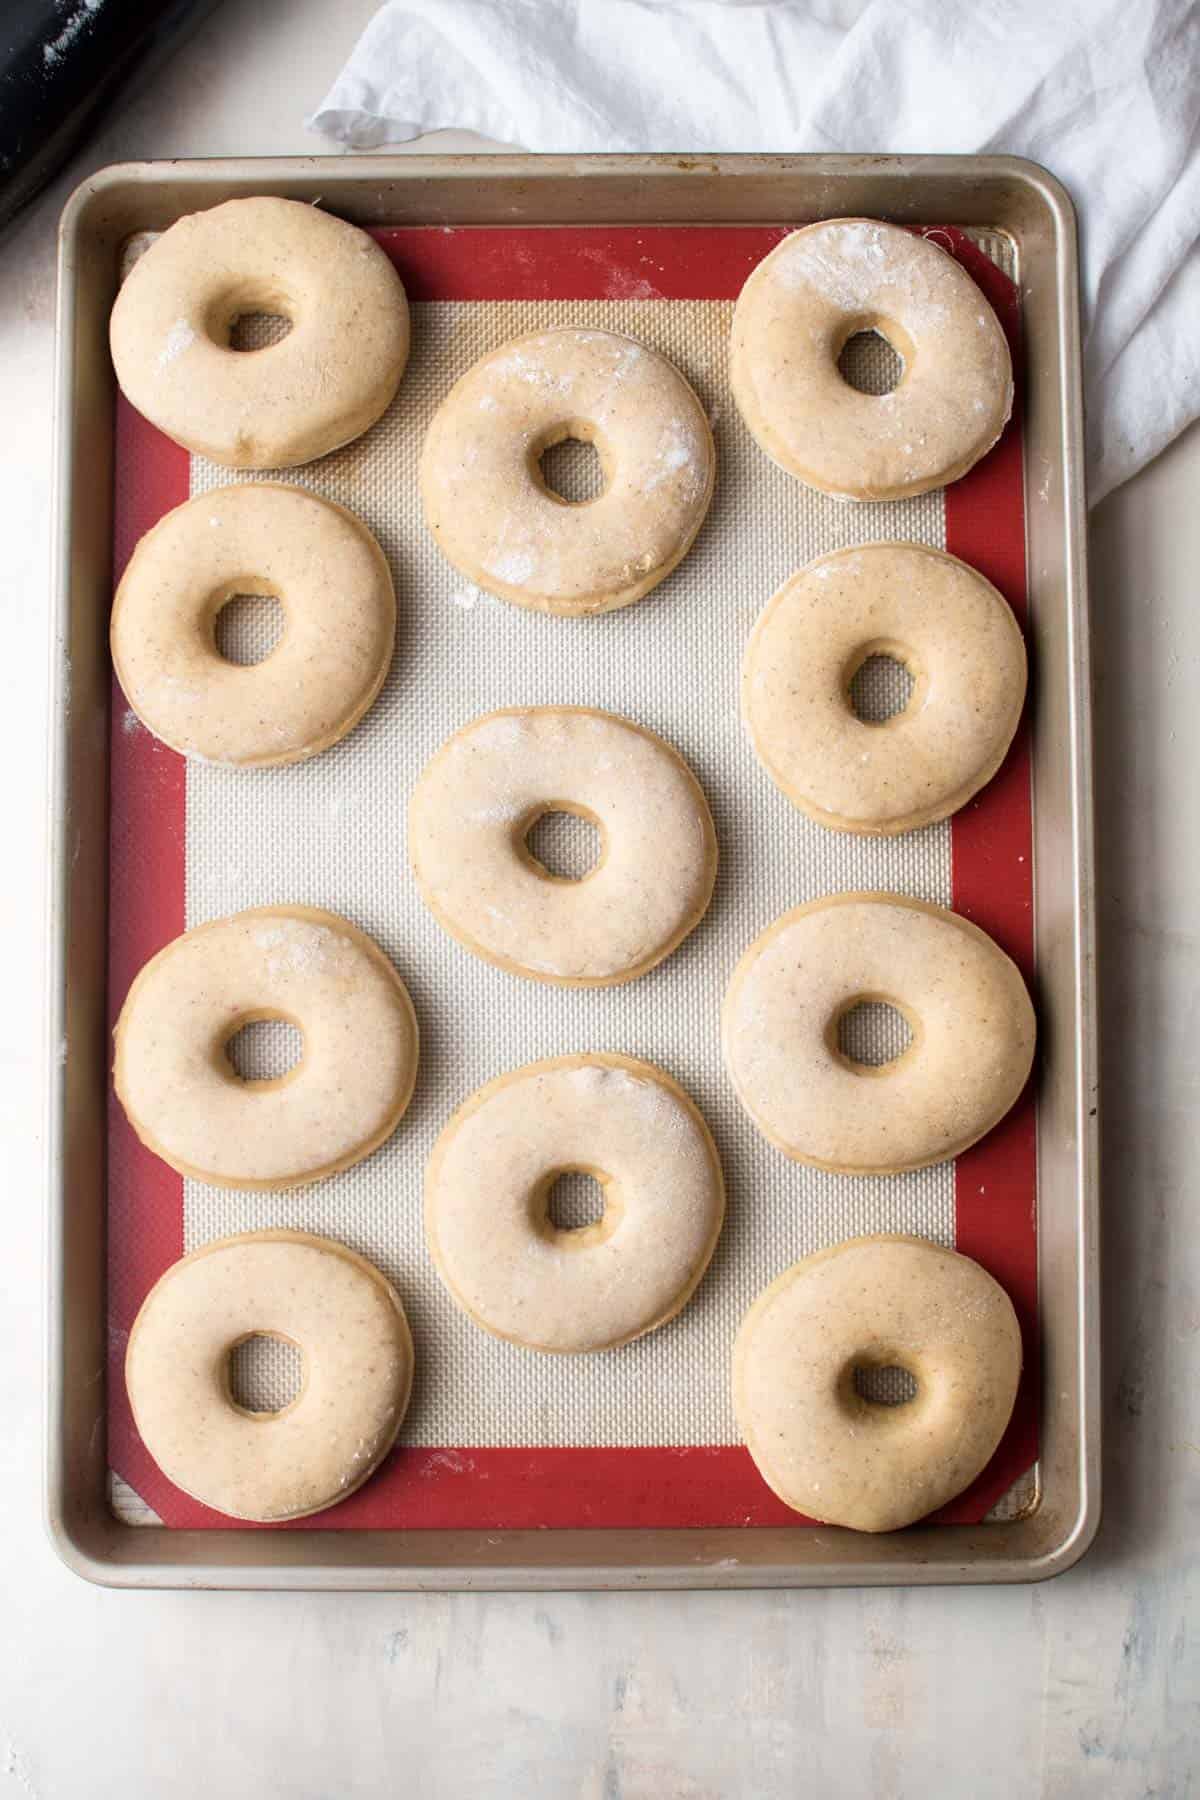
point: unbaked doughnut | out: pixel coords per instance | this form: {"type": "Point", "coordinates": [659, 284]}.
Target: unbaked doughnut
{"type": "Point", "coordinates": [489, 1180]}
{"type": "Point", "coordinates": [492, 513]}
{"type": "Point", "coordinates": [318, 387]}
{"type": "Point", "coordinates": [963, 999]}
{"type": "Point", "coordinates": [876, 1303]}
{"type": "Point", "coordinates": [332, 581]}
{"type": "Point", "coordinates": [341, 1314]}
{"type": "Point", "coordinates": [798, 310]}
{"type": "Point", "coordinates": [343, 1098]}
{"type": "Point", "coordinates": [488, 785]}
{"type": "Point", "coordinates": [958, 639]}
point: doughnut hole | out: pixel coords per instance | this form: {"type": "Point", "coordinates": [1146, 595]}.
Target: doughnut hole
{"type": "Point", "coordinates": [872, 1034]}
{"type": "Point", "coordinates": [883, 1384]}
{"type": "Point", "coordinates": [264, 1050]}
{"type": "Point", "coordinates": [576, 1207]}
{"type": "Point", "coordinates": [563, 842]}
{"type": "Point", "coordinates": [871, 362]}
{"type": "Point", "coordinates": [258, 330]}
{"type": "Point", "coordinates": [248, 627]}
{"type": "Point", "coordinates": [265, 1374]}
{"type": "Point", "coordinates": [884, 681]}
{"type": "Point", "coordinates": [570, 465]}
{"type": "Point", "coordinates": [575, 1201]}
{"type": "Point", "coordinates": [250, 319]}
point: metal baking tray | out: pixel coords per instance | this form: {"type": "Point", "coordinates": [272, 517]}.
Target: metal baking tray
{"type": "Point", "coordinates": [999, 194]}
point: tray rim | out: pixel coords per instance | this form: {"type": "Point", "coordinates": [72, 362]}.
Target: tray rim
{"type": "Point", "coordinates": [83, 1531]}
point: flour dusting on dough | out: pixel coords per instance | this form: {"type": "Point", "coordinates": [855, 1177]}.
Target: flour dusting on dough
{"type": "Point", "coordinates": [178, 339]}
{"type": "Point", "coordinates": [676, 451]}
{"type": "Point", "coordinates": [859, 266]}
{"type": "Point", "coordinates": [512, 567]}
{"type": "Point", "coordinates": [294, 948]}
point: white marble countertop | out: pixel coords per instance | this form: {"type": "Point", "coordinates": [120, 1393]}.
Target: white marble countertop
{"type": "Point", "coordinates": [1090, 1684]}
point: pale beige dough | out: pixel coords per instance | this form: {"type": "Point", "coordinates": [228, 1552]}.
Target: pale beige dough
{"type": "Point", "coordinates": [333, 584]}
{"type": "Point", "coordinates": [959, 640]}
{"type": "Point", "coordinates": [476, 800]}
{"type": "Point", "coordinates": [965, 1003]}
{"type": "Point", "coordinates": [800, 307]}
{"type": "Point", "coordinates": [320, 386]}
{"type": "Point", "coordinates": [876, 1303]}
{"type": "Point", "coordinates": [347, 1322]}
{"type": "Point", "coordinates": [489, 1180]}
{"type": "Point", "coordinates": [496, 520]}
{"type": "Point", "coordinates": [345, 1096]}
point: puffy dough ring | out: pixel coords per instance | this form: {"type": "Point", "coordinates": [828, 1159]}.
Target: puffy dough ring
{"type": "Point", "coordinates": [963, 999]}
{"type": "Point", "coordinates": [875, 1303]}
{"type": "Point", "coordinates": [318, 387]}
{"type": "Point", "coordinates": [958, 639]}
{"type": "Point", "coordinates": [799, 309]}
{"type": "Point", "coordinates": [489, 1181]}
{"type": "Point", "coordinates": [345, 1096]}
{"type": "Point", "coordinates": [333, 583]}
{"type": "Point", "coordinates": [340, 1313]}
{"type": "Point", "coordinates": [477, 800]}
{"type": "Point", "coordinates": [494, 516]}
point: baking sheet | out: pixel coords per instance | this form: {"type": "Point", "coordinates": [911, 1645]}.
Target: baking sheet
{"type": "Point", "coordinates": [497, 1436]}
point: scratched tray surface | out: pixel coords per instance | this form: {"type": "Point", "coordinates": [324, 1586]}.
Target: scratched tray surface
{"type": "Point", "coordinates": [498, 1437]}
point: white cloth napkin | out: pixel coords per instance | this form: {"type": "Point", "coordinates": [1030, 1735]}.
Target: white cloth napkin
{"type": "Point", "coordinates": [1105, 93]}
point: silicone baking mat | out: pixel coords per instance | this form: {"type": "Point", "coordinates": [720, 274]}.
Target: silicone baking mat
{"type": "Point", "coordinates": [498, 1437]}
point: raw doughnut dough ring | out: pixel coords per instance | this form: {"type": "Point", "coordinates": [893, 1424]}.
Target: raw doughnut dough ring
{"type": "Point", "coordinates": [798, 310]}
{"type": "Point", "coordinates": [345, 1096]}
{"type": "Point", "coordinates": [478, 798]}
{"type": "Point", "coordinates": [876, 1302]}
{"type": "Point", "coordinates": [965, 1003]}
{"type": "Point", "coordinates": [320, 386]}
{"type": "Point", "coordinates": [358, 1363]}
{"type": "Point", "coordinates": [489, 1180]}
{"type": "Point", "coordinates": [333, 583]}
{"type": "Point", "coordinates": [958, 638]}
{"type": "Point", "coordinates": [493, 515]}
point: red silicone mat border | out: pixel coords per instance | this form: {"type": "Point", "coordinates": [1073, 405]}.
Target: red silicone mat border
{"type": "Point", "coordinates": [991, 840]}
